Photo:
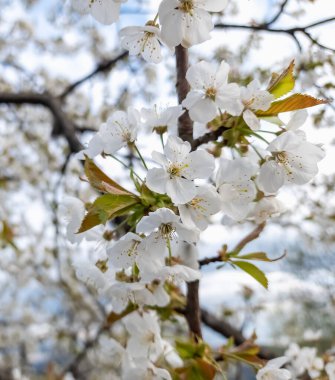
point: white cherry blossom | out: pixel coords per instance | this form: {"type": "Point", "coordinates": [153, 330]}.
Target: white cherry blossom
{"type": "Point", "coordinates": [144, 339]}
{"type": "Point", "coordinates": [267, 207]}
{"type": "Point", "coordinates": [273, 370]}
{"type": "Point", "coordinates": [176, 274]}
{"type": "Point", "coordinates": [293, 161]}
{"type": "Point", "coordinates": [123, 254]}
{"type": "Point", "coordinates": [162, 120]}
{"type": "Point", "coordinates": [180, 167]}
{"type": "Point", "coordinates": [144, 41]}
{"type": "Point", "coordinates": [254, 99]}
{"type": "Point", "coordinates": [166, 231]}
{"type": "Point", "coordinates": [104, 11]}
{"type": "Point", "coordinates": [236, 188]}
{"type": "Point", "coordinates": [141, 369]}
{"type": "Point", "coordinates": [74, 212]}
{"type": "Point", "coordinates": [187, 22]}
{"type": "Point", "coordinates": [140, 293]}
{"type": "Point", "coordinates": [92, 272]}
{"type": "Point", "coordinates": [330, 370]}
{"type": "Point", "coordinates": [109, 351]}
{"type": "Point", "coordinates": [210, 92]}
{"type": "Point", "coordinates": [195, 213]}
{"type": "Point", "coordinates": [304, 359]}
{"type": "Point", "coordinates": [121, 129]}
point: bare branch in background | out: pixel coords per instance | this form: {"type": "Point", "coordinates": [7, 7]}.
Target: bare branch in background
{"type": "Point", "coordinates": [63, 125]}
{"type": "Point", "coordinates": [102, 67]}
{"type": "Point", "coordinates": [292, 32]}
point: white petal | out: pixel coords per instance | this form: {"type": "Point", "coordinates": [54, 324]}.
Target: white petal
{"type": "Point", "coordinates": [203, 111]}
{"type": "Point", "coordinates": [200, 164]}
{"type": "Point", "coordinates": [271, 177]}
{"type": "Point", "coordinates": [297, 120]}
{"type": "Point", "coordinates": [180, 190]}
{"type": "Point", "coordinates": [176, 149]}
{"type": "Point", "coordinates": [215, 5]}
{"type": "Point", "coordinates": [201, 75]}
{"type": "Point", "coordinates": [251, 120]}
{"type": "Point", "coordinates": [156, 180]}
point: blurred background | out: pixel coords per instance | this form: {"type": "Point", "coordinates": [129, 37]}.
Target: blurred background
{"type": "Point", "coordinates": [61, 75]}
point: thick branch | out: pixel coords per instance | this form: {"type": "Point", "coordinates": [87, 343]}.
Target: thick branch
{"type": "Point", "coordinates": [185, 130]}
{"type": "Point", "coordinates": [185, 126]}
{"type": "Point", "coordinates": [227, 330]}
{"type": "Point", "coordinates": [207, 137]}
{"type": "Point", "coordinates": [63, 124]}
{"type": "Point", "coordinates": [192, 312]}
{"type": "Point", "coordinates": [101, 68]}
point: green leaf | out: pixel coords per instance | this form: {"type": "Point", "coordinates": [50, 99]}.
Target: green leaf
{"type": "Point", "coordinates": [283, 83]}
{"type": "Point", "coordinates": [253, 271]}
{"type": "Point", "coordinates": [260, 256]}
{"type": "Point", "coordinates": [107, 207]}
{"type": "Point", "coordinates": [190, 349]}
{"type": "Point", "coordinates": [100, 181]}
{"type": "Point", "coordinates": [292, 103]}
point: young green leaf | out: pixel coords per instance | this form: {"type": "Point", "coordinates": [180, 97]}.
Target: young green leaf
{"type": "Point", "coordinates": [283, 83]}
{"type": "Point", "coordinates": [292, 103]}
{"type": "Point", "coordinates": [107, 207]}
{"type": "Point", "coordinates": [100, 181]}
{"type": "Point", "coordinates": [253, 271]}
{"type": "Point", "coordinates": [260, 256]}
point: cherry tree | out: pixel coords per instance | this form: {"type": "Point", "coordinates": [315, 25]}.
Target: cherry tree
{"type": "Point", "coordinates": [212, 157]}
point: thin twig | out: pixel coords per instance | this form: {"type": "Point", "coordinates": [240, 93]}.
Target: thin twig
{"type": "Point", "coordinates": [101, 68]}
{"type": "Point", "coordinates": [253, 235]}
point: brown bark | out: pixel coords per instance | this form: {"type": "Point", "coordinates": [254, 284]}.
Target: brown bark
{"type": "Point", "coordinates": [185, 125]}
{"type": "Point", "coordinates": [185, 130]}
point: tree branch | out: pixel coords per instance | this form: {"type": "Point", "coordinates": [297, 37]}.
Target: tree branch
{"type": "Point", "coordinates": [101, 68]}
{"type": "Point", "coordinates": [227, 330]}
{"type": "Point", "coordinates": [278, 14]}
{"type": "Point", "coordinates": [185, 130]}
{"type": "Point", "coordinates": [185, 125]}
{"type": "Point", "coordinates": [207, 137]}
{"type": "Point", "coordinates": [289, 31]}
{"type": "Point", "coordinates": [62, 124]}
{"type": "Point", "coordinates": [253, 235]}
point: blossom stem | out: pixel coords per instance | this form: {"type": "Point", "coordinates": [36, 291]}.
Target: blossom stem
{"type": "Point", "coordinates": [257, 152]}
{"type": "Point", "coordinates": [126, 166]}
{"type": "Point", "coordinates": [260, 137]}
{"type": "Point", "coordinates": [168, 244]}
{"type": "Point", "coordinates": [140, 156]}
{"type": "Point", "coordinates": [155, 19]}
{"type": "Point", "coordinates": [162, 140]}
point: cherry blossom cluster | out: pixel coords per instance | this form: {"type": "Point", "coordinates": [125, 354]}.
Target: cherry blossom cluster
{"type": "Point", "coordinates": [302, 360]}
{"type": "Point", "coordinates": [185, 22]}
{"type": "Point", "coordinates": [184, 185]}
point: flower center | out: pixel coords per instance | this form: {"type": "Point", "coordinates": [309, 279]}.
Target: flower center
{"type": "Point", "coordinates": [187, 6]}
{"type": "Point", "coordinates": [174, 171]}
{"type": "Point", "coordinates": [248, 103]}
{"type": "Point", "coordinates": [281, 157]}
{"type": "Point", "coordinates": [166, 230]}
{"type": "Point", "coordinates": [211, 93]}
{"type": "Point", "coordinates": [102, 265]}
{"type": "Point", "coordinates": [196, 204]}
{"type": "Point", "coordinates": [133, 248]}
